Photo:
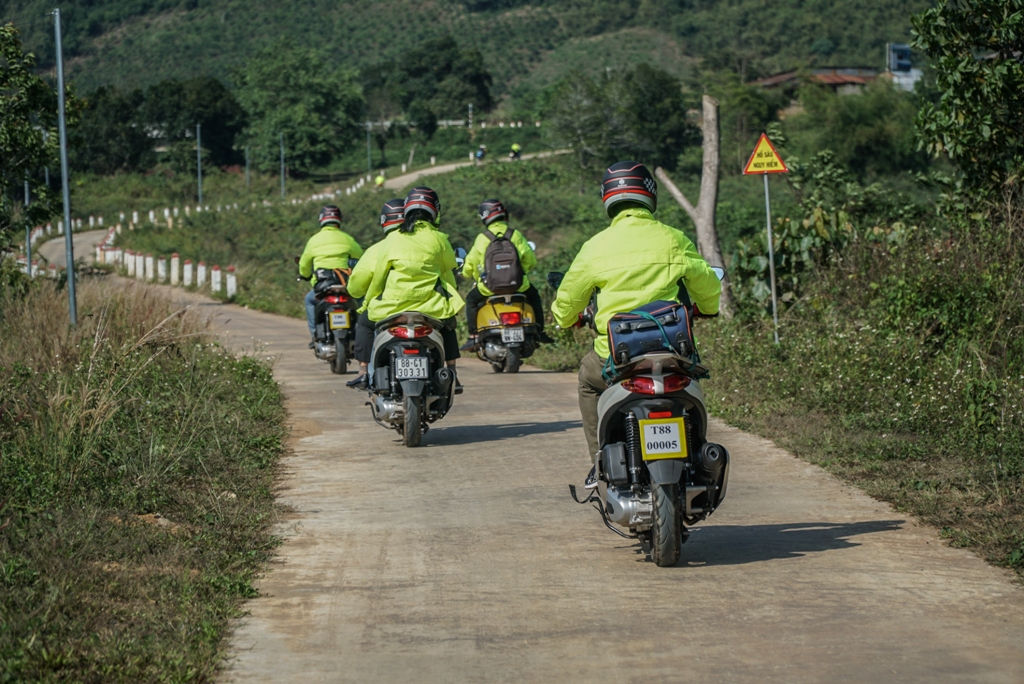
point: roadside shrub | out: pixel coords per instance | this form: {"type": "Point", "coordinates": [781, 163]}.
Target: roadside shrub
{"type": "Point", "coordinates": [899, 366]}
{"type": "Point", "coordinates": [136, 467]}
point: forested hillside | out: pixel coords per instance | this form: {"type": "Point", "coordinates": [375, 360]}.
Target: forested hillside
{"type": "Point", "coordinates": [136, 43]}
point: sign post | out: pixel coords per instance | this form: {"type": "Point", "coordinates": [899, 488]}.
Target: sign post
{"type": "Point", "coordinates": [764, 160]}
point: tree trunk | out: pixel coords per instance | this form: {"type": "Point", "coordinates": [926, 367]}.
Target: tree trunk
{"type": "Point", "coordinates": [703, 214]}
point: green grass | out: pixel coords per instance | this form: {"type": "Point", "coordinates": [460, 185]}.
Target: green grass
{"type": "Point", "coordinates": [137, 462]}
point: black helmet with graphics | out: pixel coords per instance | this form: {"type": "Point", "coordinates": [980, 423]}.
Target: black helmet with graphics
{"type": "Point", "coordinates": [330, 214]}
{"type": "Point", "coordinates": [391, 214]}
{"type": "Point", "coordinates": [422, 198]}
{"type": "Point", "coordinates": [628, 181]}
{"type": "Point", "coordinates": [492, 210]}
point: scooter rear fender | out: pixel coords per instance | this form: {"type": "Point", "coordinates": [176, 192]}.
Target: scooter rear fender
{"type": "Point", "coordinates": [413, 388]}
{"type": "Point", "coordinates": [665, 471]}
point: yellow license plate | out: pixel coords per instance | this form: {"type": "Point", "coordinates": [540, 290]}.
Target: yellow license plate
{"type": "Point", "coordinates": [339, 319]}
{"type": "Point", "coordinates": [663, 438]}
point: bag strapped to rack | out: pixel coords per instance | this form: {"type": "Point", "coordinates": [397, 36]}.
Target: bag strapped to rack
{"type": "Point", "coordinates": [326, 278]}
{"type": "Point", "coordinates": [659, 327]}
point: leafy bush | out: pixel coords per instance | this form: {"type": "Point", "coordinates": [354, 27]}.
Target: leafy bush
{"type": "Point", "coordinates": [834, 211]}
{"type": "Point", "coordinates": [899, 367]}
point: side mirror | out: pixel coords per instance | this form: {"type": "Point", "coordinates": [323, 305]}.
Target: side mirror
{"type": "Point", "coordinates": [720, 272]}
{"type": "Point", "coordinates": [533, 245]}
{"type": "Point", "coordinates": [460, 257]}
{"type": "Point", "coordinates": [555, 278]}
{"type": "Point", "coordinates": [352, 262]}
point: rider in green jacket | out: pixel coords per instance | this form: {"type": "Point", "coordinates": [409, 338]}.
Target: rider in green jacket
{"type": "Point", "coordinates": [634, 261]}
{"type": "Point", "coordinates": [330, 247]}
{"type": "Point", "coordinates": [391, 215]}
{"type": "Point", "coordinates": [495, 218]}
{"type": "Point", "coordinates": [416, 271]}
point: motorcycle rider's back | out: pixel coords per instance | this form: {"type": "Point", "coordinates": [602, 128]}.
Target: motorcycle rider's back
{"type": "Point", "coordinates": [634, 261]}
{"type": "Point", "coordinates": [330, 247]}
{"type": "Point", "coordinates": [404, 275]}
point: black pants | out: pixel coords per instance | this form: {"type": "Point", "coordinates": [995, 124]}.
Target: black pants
{"type": "Point", "coordinates": [363, 343]}
{"type": "Point", "coordinates": [475, 299]}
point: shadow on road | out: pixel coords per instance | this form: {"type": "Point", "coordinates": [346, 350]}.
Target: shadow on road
{"type": "Point", "coordinates": [480, 434]}
{"type": "Point", "coordinates": [738, 544]}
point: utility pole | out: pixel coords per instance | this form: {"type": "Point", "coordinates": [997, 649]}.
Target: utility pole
{"type": "Point", "coordinates": [469, 119]}
{"type": "Point", "coordinates": [247, 167]}
{"type": "Point", "coordinates": [369, 162]}
{"type": "Point", "coordinates": [62, 129]}
{"type": "Point", "coordinates": [199, 163]}
{"type": "Point", "coordinates": [281, 139]}
{"type": "Point", "coordinates": [28, 235]}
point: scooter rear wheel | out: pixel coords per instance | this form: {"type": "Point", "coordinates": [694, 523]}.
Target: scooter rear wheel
{"type": "Point", "coordinates": [412, 429]}
{"type": "Point", "coordinates": [513, 361]}
{"type": "Point", "coordinates": [667, 531]}
{"type": "Point", "coordinates": [339, 364]}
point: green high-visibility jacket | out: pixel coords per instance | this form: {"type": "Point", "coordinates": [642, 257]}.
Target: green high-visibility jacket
{"type": "Point", "coordinates": [409, 272]}
{"type": "Point", "coordinates": [634, 261]}
{"type": "Point", "coordinates": [369, 256]}
{"type": "Point", "coordinates": [330, 247]}
{"type": "Point", "coordinates": [474, 264]}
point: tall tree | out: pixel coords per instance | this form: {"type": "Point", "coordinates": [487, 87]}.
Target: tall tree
{"type": "Point", "coordinates": [173, 108]}
{"type": "Point", "coordinates": [299, 94]}
{"type": "Point", "coordinates": [703, 215]}
{"type": "Point", "coordinates": [112, 134]}
{"type": "Point", "coordinates": [871, 134]}
{"type": "Point", "coordinates": [28, 137]}
{"type": "Point", "coordinates": [637, 113]}
{"type": "Point", "coordinates": [445, 77]}
{"type": "Point", "coordinates": [976, 47]}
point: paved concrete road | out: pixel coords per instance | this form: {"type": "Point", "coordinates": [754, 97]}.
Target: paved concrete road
{"type": "Point", "coordinates": [464, 560]}
{"type": "Point", "coordinates": [54, 250]}
{"type": "Point", "coordinates": [405, 181]}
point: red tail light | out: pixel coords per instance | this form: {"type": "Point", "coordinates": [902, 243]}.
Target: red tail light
{"type": "Point", "coordinates": [641, 384]}
{"type": "Point", "coordinates": [659, 414]}
{"type": "Point", "coordinates": [674, 383]}
{"type": "Point", "coordinates": [335, 299]}
{"type": "Point", "coordinates": [511, 318]}
{"type": "Point", "coordinates": [407, 333]}
{"type": "Point", "coordinates": [644, 384]}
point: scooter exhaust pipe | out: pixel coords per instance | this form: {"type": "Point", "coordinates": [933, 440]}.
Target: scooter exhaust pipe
{"type": "Point", "coordinates": [711, 461]}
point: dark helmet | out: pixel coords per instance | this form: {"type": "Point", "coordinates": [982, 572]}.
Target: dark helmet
{"type": "Point", "coordinates": [423, 198]}
{"type": "Point", "coordinates": [391, 214]}
{"type": "Point", "coordinates": [492, 210]}
{"type": "Point", "coordinates": [330, 214]}
{"type": "Point", "coordinates": [628, 181]}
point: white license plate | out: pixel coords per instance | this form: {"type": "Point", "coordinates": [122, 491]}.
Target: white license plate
{"type": "Point", "coordinates": [663, 438]}
{"type": "Point", "coordinates": [512, 335]}
{"type": "Point", "coordinates": [339, 319]}
{"type": "Point", "coordinates": [411, 368]}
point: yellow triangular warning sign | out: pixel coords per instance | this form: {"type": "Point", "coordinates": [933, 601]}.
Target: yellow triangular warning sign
{"type": "Point", "coordinates": [765, 159]}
